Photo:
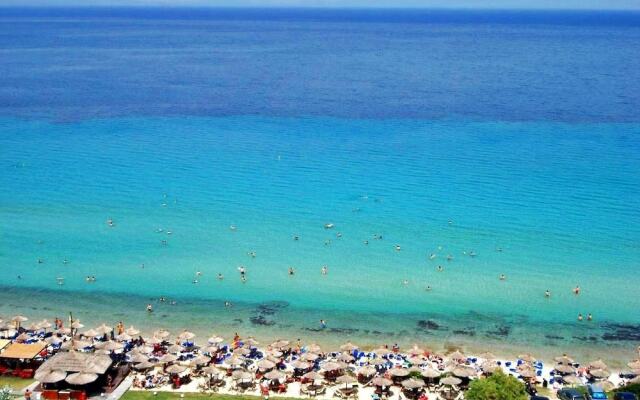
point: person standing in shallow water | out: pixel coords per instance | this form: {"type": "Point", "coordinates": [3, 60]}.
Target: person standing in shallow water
{"type": "Point", "coordinates": [323, 324]}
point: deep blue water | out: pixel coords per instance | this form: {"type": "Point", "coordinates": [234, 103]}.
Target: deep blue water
{"type": "Point", "coordinates": [522, 129]}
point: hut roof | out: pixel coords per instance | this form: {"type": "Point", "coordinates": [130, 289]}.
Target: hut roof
{"type": "Point", "coordinates": [23, 351]}
{"type": "Point", "coordinates": [73, 361]}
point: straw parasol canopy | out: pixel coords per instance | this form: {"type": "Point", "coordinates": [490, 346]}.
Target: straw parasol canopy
{"type": "Point", "coordinates": [565, 369]}
{"type": "Point", "coordinates": [333, 366]}
{"type": "Point", "coordinates": [526, 357]}
{"type": "Point", "coordinates": [345, 358]}
{"type": "Point", "coordinates": [44, 324]}
{"type": "Point", "coordinates": [53, 340]}
{"type": "Point", "coordinates": [211, 370]}
{"type": "Point", "coordinates": [123, 337]}
{"type": "Point", "coordinates": [381, 381]}
{"type": "Point", "coordinates": [153, 340]}
{"type": "Point", "coordinates": [161, 333]}
{"type": "Point", "coordinates": [346, 379]}
{"type": "Point", "coordinates": [143, 365]}
{"type": "Point", "coordinates": [141, 350]}
{"type": "Point", "coordinates": [132, 331]}
{"type": "Point", "coordinates": [175, 369]}
{"type": "Point", "coordinates": [377, 361]}
{"type": "Point", "coordinates": [265, 365]}
{"type": "Point", "coordinates": [90, 333]}
{"type": "Point", "coordinates": [110, 346]}
{"type": "Point", "coordinates": [275, 375]}
{"type": "Point", "coordinates": [138, 358]}
{"type": "Point", "coordinates": [104, 329]}
{"type": "Point", "coordinates": [412, 383]}
{"type": "Point", "coordinates": [489, 367]}
{"type": "Point", "coordinates": [19, 319]}
{"type": "Point", "coordinates": [314, 348]}
{"type": "Point", "coordinates": [450, 381]}
{"type": "Point", "coordinates": [215, 339]}
{"type": "Point", "coordinates": [348, 347]}
{"type": "Point", "coordinates": [381, 351]}
{"type": "Point", "coordinates": [599, 373]}
{"type": "Point", "coordinates": [597, 364]}
{"type": "Point", "coordinates": [186, 335]}
{"type": "Point", "coordinates": [235, 361]}
{"type": "Point", "coordinates": [398, 372]}
{"type": "Point", "coordinates": [564, 359]}
{"type": "Point", "coordinates": [309, 357]}
{"type": "Point", "coordinates": [527, 373]}
{"type": "Point", "coordinates": [201, 360]}
{"type": "Point", "coordinates": [250, 341]}
{"type": "Point", "coordinates": [635, 364]}
{"type": "Point", "coordinates": [281, 344]}
{"type": "Point", "coordinates": [464, 372]}
{"type": "Point", "coordinates": [241, 375]}
{"type": "Point", "coordinates": [367, 371]}
{"type": "Point", "coordinates": [51, 376]}
{"type": "Point", "coordinates": [457, 355]}
{"type": "Point", "coordinates": [299, 364]}
{"type": "Point", "coordinates": [572, 380]}
{"type": "Point", "coordinates": [167, 358]}
{"type": "Point", "coordinates": [175, 349]}
{"type": "Point", "coordinates": [76, 325]}
{"type": "Point", "coordinates": [416, 360]}
{"type": "Point", "coordinates": [241, 351]}
{"type": "Point", "coordinates": [313, 375]}
{"type": "Point", "coordinates": [210, 349]}
{"type": "Point", "coordinates": [430, 373]}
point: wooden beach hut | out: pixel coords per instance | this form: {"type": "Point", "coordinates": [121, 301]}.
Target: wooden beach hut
{"type": "Point", "coordinates": [20, 358]}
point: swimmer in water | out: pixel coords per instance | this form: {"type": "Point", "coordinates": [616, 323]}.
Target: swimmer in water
{"type": "Point", "coordinates": [576, 290]}
{"type": "Point", "coordinates": [252, 254]}
{"type": "Point", "coordinates": [580, 317]}
{"type": "Point", "coordinates": [323, 324]}
{"type": "Point", "coordinates": [292, 271]}
{"type": "Point", "coordinates": [324, 270]}
{"type": "Point", "coordinates": [366, 242]}
{"type": "Point", "coordinates": [60, 281]}
{"type": "Point", "coordinates": [338, 235]}
{"type": "Point", "coordinates": [327, 242]}
{"type": "Point", "coordinates": [428, 288]}
{"type": "Point", "coordinates": [449, 257]}
{"type": "Point", "coordinates": [220, 276]}
{"type": "Point", "coordinates": [440, 269]}
{"type": "Point", "coordinates": [142, 265]}
{"type": "Point", "coordinates": [243, 279]}
{"type": "Point", "coordinates": [405, 282]}
{"type": "Point", "coordinates": [242, 270]}
{"type": "Point", "coordinates": [40, 261]}
{"type": "Point", "coordinates": [149, 308]}
{"type": "Point", "coordinates": [19, 276]}
{"type": "Point", "coordinates": [110, 222]}
{"type": "Point", "coordinates": [432, 256]}
{"type": "Point", "coordinates": [503, 277]}
{"type": "Point", "coordinates": [163, 242]}
{"type": "Point", "coordinates": [589, 317]}
{"type": "Point", "coordinates": [65, 261]}
{"type": "Point", "coordinates": [547, 293]}
{"type": "Point", "coordinates": [232, 227]}
{"type": "Point", "coordinates": [228, 304]}
{"type": "Point", "coordinates": [296, 237]}
{"type": "Point", "coordinates": [195, 281]}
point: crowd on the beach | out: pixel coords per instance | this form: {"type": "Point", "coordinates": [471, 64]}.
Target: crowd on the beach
{"type": "Point", "coordinates": [176, 362]}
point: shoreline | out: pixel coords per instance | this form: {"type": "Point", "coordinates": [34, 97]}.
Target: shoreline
{"type": "Point", "coordinates": [276, 320]}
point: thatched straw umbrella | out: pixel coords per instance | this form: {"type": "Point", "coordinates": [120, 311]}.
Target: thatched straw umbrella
{"type": "Point", "coordinates": [381, 351]}
{"type": "Point", "coordinates": [123, 337]}
{"type": "Point", "coordinates": [309, 357]}
{"type": "Point", "coordinates": [275, 375]}
{"type": "Point", "coordinates": [416, 351]}
{"type": "Point", "coordinates": [201, 360]}
{"type": "Point", "coordinates": [265, 365]}
{"type": "Point", "coordinates": [346, 379]}
{"type": "Point", "coordinates": [345, 358]}
{"type": "Point", "coordinates": [572, 380]}
{"type": "Point", "coordinates": [564, 359]}
{"type": "Point", "coordinates": [527, 373]}
{"type": "Point", "coordinates": [464, 372]}
{"type": "Point", "coordinates": [412, 383]}
{"type": "Point", "coordinates": [104, 329]}
{"type": "Point", "coordinates": [381, 381]}
{"type": "Point", "coordinates": [487, 356]}
{"type": "Point", "coordinates": [81, 378]}
{"type": "Point", "coordinates": [333, 366]}
{"type": "Point", "coordinates": [168, 358]}
{"type": "Point", "coordinates": [138, 358]}
{"type": "Point", "coordinates": [53, 340]}
{"type": "Point", "coordinates": [348, 347]}
{"type": "Point", "coordinates": [299, 364]}
{"type": "Point", "coordinates": [281, 345]}
{"type": "Point", "coordinates": [313, 376]}
{"type": "Point", "coordinates": [110, 346]}
{"type": "Point", "coordinates": [450, 381]}
{"type": "Point", "coordinates": [490, 367]}
{"type": "Point", "coordinates": [186, 335]}
{"type": "Point", "coordinates": [175, 369]}
{"type": "Point", "coordinates": [599, 373]}
{"type": "Point", "coordinates": [250, 342]}
{"type": "Point", "coordinates": [314, 348]}
{"type": "Point", "coordinates": [154, 340]}
{"type": "Point", "coordinates": [635, 364]}
{"type": "Point", "coordinates": [377, 361]}
{"type": "Point", "coordinates": [90, 333]}
{"type": "Point", "coordinates": [367, 371]}
{"type": "Point", "coordinates": [400, 372]}
{"type": "Point", "coordinates": [211, 370]}
{"type": "Point", "coordinates": [132, 331]}
{"type": "Point", "coordinates": [597, 364]}
{"type": "Point", "coordinates": [430, 373]}
{"type": "Point", "coordinates": [242, 375]}
{"type": "Point", "coordinates": [565, 369]}
{"type": "Point", "coordinates": [175, 349]}
{"type": "Point", "coordinates": [457, 355]}
{"type": "Point", "coordinates": [161, 333]}
{"type": "Point", "coordinates": [526, 357]}
{"type": "Point", "coordinates": [215, 340]}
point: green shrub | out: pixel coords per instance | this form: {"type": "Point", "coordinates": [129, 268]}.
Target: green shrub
{"type": "Point", "coordinates": [6, 393]}
{"type": "Point", "coordinates": [633, 388]}
{"type": "Point", "coordinates": [498, 386]}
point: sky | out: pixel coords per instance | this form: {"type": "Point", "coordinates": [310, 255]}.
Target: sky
{"type": "Point", "coordinates": [480, 4]}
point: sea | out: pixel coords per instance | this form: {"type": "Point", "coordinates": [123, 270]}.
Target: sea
{"type": "Point", "coordinates": [418, 155]}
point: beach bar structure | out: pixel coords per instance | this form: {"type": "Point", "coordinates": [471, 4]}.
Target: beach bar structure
{"type": "Point", "coordinates": [21, 359]}
{"type": "Point", "coordinates": [70, 375]}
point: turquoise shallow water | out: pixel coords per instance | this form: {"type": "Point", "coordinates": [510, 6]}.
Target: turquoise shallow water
{"type": "Point", "coordinates": [561, 202]}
